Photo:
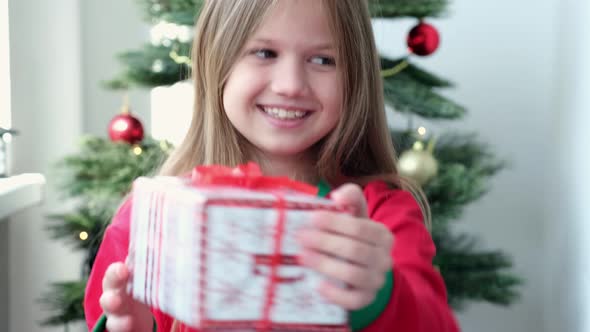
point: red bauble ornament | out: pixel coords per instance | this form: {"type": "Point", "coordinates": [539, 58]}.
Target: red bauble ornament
{"type": "Point", "coordinates": [125, 127]}
{"type": "Point", "coordinates": [423, 39]}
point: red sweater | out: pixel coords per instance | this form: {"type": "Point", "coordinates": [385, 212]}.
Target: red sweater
{"type": "Point", "coordinates": [419, 299]}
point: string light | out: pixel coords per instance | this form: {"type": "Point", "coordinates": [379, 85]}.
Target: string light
{"type": "Point", "coordinates": [137, 150]}
{"type": "Point", "coordinates": [7, 137]}
{"type": "Point", "coordinates": [165, 32]}
{"type": "Point", "coordinates": [83, 236]}
{"type": "Point", "coordinates": [164, 145]}
{"type": "Point", "coordinates": [158, 66]}
{"type": "Point", "coordinates": [421, 131]}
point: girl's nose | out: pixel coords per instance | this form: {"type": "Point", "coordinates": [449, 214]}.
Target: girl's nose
{"type": "Point", "coordinates": [289, 79]}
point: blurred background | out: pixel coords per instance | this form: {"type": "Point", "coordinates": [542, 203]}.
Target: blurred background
{"type": "Point", "coordinates": [520, 68]}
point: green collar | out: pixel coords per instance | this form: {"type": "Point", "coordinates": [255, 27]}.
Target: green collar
{"type": "Point", "coordinates": [323, 188]}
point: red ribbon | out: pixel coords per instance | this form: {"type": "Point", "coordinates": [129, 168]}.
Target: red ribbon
{"type": "Point", "coordinates": [246, 176]}
{"type": "Point", "coordinates": [279, 232]}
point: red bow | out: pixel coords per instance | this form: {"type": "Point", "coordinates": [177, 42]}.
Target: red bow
{"type": "Point", "coordinates": [246, 176]}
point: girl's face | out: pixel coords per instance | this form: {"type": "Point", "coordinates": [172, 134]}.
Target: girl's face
{"type": "Point", "coordinates": [284, 92]}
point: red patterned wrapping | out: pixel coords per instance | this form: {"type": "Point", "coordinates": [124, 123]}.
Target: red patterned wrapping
{"type": "Point", "coordinates": [218, 251]}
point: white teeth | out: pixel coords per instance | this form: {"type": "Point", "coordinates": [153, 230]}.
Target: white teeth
{"type": "Point", "coordinates": [280, 113]}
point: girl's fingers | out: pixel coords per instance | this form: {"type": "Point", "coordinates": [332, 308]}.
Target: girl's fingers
{"type": "Point", "coordinates": [124, 314]}
{"type": "Point", "coordinates": [333, 244]}
{"type": "Point", "coordinates": [349, 299]}
{"type": "Point", "coordinates": [120, 324]}
{"type": "Point", "coordinates": [351, 196]}
{"type": "Point", "coordinates": [115, 302]}
{"type": "Point", "coordinates": [115, 277]}
{"type": "Point", "coordinates": [355, 276]}
{"type": "Point", "coordinates": [346, 249]}
{"type": "Point", "coordinates": [111, 302]}
{"type": "Point", "coordinates": [361, 229]}
{"type": "Point", "coordinates": [114, 299]}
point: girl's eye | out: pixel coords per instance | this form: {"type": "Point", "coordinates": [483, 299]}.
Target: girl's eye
{"type": "Point", "coordinates": [324, 60]}
{"type": "Point", "coordinates": [265, 54]}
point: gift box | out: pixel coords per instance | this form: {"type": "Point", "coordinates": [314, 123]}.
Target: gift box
{"type": "Point", "coordinates": [217, 251]}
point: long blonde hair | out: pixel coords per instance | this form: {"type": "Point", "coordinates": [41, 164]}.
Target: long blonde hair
{"type": "Point", "coordinates": [359, 148]}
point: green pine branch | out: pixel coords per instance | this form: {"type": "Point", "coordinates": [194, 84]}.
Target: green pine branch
{"type": "Point", "coordinates": [416, 73]}
{"type": "Point", "coordinates": [449, 192]}
{"type": "Point", "coordinates": [69, 226]}
{"type": "Point", "coordinates": [407, 8]}
{"type": "Point", "coordinates": [152, 66]}
{"type": "Point", "coordinates": [182, 12]}
{"type": "Point", "coordinates": [465, 169]}
{"type": "Point", "coordinates": [475, 275]}
{"type": "Point", "coordinates": [64, 301]}
{"type": "Point", "coordinates": [103, 171]}
{"type": "Point", "coordinates": [185, 12]}
{"type": "Point", "coordinates": [98, 177]}
{"type": "Point", "coordinates": [412, 91]}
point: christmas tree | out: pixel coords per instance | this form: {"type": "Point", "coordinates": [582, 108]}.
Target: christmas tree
{"type": "Point", "coordinates": [453, 169]}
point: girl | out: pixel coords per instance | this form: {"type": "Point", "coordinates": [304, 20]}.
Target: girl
{"type": "Point", "coordinates": [295, 86]}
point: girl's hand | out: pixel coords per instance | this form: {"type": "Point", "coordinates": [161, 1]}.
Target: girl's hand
{"type": "Point", "coordinates": [124, 314]}
{"type": "Point", "coordinates": [352, 249]}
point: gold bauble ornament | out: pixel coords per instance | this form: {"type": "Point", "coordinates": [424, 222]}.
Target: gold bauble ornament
{"type": "Point", "coordinates": [418, 164]}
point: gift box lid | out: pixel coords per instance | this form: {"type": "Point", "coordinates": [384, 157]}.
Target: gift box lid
{"type": "Point", "coordinates": [185, 191]}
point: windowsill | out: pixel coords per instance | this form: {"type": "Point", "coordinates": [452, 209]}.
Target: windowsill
{"type": "Point", "coordinates": [18, 192]}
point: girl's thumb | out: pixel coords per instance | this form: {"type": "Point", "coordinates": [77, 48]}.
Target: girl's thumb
{"type": "Point", "coordinates": [351, 196]}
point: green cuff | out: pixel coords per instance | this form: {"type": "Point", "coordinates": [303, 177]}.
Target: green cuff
{"type": "Point", "coordinates": [359, 319]}
{"type": "Point", "coordinates": [101, 325]}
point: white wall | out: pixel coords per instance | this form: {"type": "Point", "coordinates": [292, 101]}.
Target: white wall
{"type": "Point", "coordinates": [46, 106]}
{"type": "Point", "coordinates": [109, 27]}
